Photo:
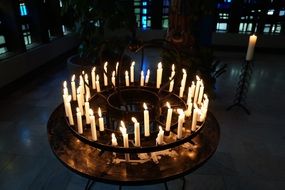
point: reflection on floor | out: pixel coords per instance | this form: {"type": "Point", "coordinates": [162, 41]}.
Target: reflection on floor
{"type": "Point", "coordinates": [250, 156]}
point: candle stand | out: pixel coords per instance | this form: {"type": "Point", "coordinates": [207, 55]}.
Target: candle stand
{"type": "Point", "coordinates": [242, 87]}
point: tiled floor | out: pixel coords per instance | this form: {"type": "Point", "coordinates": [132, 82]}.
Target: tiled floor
{"type": "Point", "coordinates": [251, 154]}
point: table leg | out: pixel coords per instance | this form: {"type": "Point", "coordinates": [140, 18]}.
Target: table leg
{"type": "Point", "coordinates": [89, 184]}
{"type": "Point", "coordinates": [165, 186]}
{"type": "Point", "coordinates": [183, 183]}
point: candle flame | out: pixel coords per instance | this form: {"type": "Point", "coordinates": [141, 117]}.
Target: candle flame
{"type": "Point", "coordinates": [64, 84]}
{"type": "Point", "coordinates": [133, 64]}
{"type": "Point", "coordinates": [148, 72]}
{"type": "Point", "coordinates": [91, 113]}
{"type": "Point", "coordinates": [193, 83]}
{"type": "Point", "coordinates": [113, 136]}
{"type": "Point", "coordinates": [97, 77]}
{"type": "Point", "coordinates": [93, 69]}
{"type": "Point", "coordinates": [113, 74]}
{"type": "Point", "coordinates": [173, 67]}
{"type": "Point", "coordinates": [86, 77]}
{"type": "Point", "coordinates": [159, 65]}
{"type": "Point", "coordinates": [123, 128]}
{"type": "Point", "coordinates": [83, 72]}
{"type": "Point", "coordinates": [168, 105]}
{"type": "Point", "coordinates": [134, 120]}
{"type": "Point", "coordinates": [77, 110]}
{"type": "Point", "coordinates": [142, 73]}
{"type": "Point", "coordinates": [145, 106]}
{"type": "Point", "coordinates": [197, 78]}
{"type": "Point", "coordinates": [160, 128]}
{"type": "Point", "coordinates": [117, 64]}
{"type": "Point", "coordinates": [73, 78]}
{"type": "Point", "coordinates": [99, 112]}
{"type": "Point", "coordinates": [126, 73]}
{"type": "Point", "coordinates": [105, 66]}
{"type": "Point", "coordinates": [180, 111]}
{"type": "Point", "coordinates": [205, 96]}
{"type": "Point", "coordinates": [123, 124]}
{"type": "Point", "coordinates": [184, 71]}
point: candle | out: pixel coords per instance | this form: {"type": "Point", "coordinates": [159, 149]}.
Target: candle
{"type": "Point", "coordinates": [181, 90]}
{"type": "Point", "coordinates": [79, 121]}
{"type": "Point", "coordinates": [201, 92]}
{"type": "Point", "coordinates": [93, 77]}
{"type": "Point", "coordinates": [159, 75]}
{"type": "Point", "coordinates": [160, 136]}
{"type": "Point", "coordinates": [87, 107]}
{"type": "Point", "coordinates": [79, 100]}
{"type": "Point", "coordinates": [137, 132]}
{"type": "Point", "coordinates": [114, 140]}
{"type": "Point", "coordinates": [147, 76]}
{"type": "Point", "coordinates": [65, 89]}
{"type": "Point", "coordinates": [69, 111]}
{"type": "Point", "coordinates": [117, 67]}
{"type": "Point", "coordinates": [146, 120]}
{"type": "Point", "coordinates": [125, 139]}
{"type": "Point", "coordinates": [97, 83]}
{"type": "Point", "coordinates": [87, 89]}
{"type": "Point", "coordinates": [64, 96]}
{"type": "Point", "coordinates": [194, 119]}
{"type": "Point", "coordinates": [250, 48]}
{"type": "Point", "coordinates": [127, 78]}
{"type": "Point", "coordinates": [173, 71]}
{"type": "Point", "coordinates": [142, 79]}
{"type": "Point", "coordinates": [93, 125]}
{"type": "Point", "coordinates": [73, 88]}
{"type": "Point", "coordinates": [181, 119]}
{"type": "Point", "coordinates": [171, 84]}
{"type": "Point", "coordinates": [189, 108]}
{"type": "Point", "coordinates": [192, 89]}
{"type": "Point", "coordinates": [81, 83]}
{"type": "Point", "coordinates": [113, 78]}
{"type": "Point", "coordinates": [101, 120]}
{"type": "Point", "coordinates": [169, 117]}
{"type": "Point", "coordinates": [184, 78]}
{"type": "Point", "coordinates": [198, 83]}
{"type": "Point", "coordinates": [132, 72]}
{"type": "Point", "coordinates": [105, 74]}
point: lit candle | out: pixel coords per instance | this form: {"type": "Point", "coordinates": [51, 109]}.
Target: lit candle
{"type": "Point", "coordinates": [198, 83]}
{"type": "Point", "coordinates": [105, 74]}
{"type": "Point", "coordinates": [160, 136]}
{"type": "Point", "coordinates": [125, 139]}
{"type": "Point", "coordinates": [146, 120]}
{"type": "Point", "coordinates": [79, 121]}
{"type": "Point", "coordinates": [87, 116]}
{"type": "Point", "coordinates": [137, 132]}
{"type": "Point", "coordinates": [169, 117]}
{"type": "Point", "coordinates": [93, 77]}
{"type": "Point", "coordinates": [194, 119]}
{"type": "Point", "coordinates": [117, 67]}
{"type": "Point", "coordinates": [173, 71]}
{"type": "Point", "coordinates": [132, 72]}
{"type": "Point", "coordinates": [184, 78]}
{"type": "Point", "coordinates": [159, 75]}
{"type": "Point", "coordinates": [64, 96]}
{"type": "Point", "coordinates": [69, 111]}
{"type": "Point", "coordinates": [79, 100]}
{"type": "Point", "coordinates": [147, 76]}
{"type": "Point", "coordinates": [87, 89]}
{"type": "Point", "coordinates": [81, 83]}
{"type": "Point", "coordinates": [93, 125]}
{"type": "Point", "coordinates": [73, 88]}
{"type": "Point", "coordinates": [114, 140]}
{"type": "Point", "coordinates": [201, 92]}
{"type": "Point", "coordinates": [171, 84]}
{"type": "Point", "coordinates": [188, 112]}
{"type": "Point", "coordinates": [181, 119]}
{"type": "Point", "coordinates": [101, 120]}
{"type": "Point", "coordinates": [250, 48]}
{"type": "Point", "coordinates": [113, 78]}
{"type": "Point", "coordinates": [181, 90]}
{"type": "Point", "coordinates": [142, 79]}
{"type": "Point", "coordinates": [192, 89]}
{"type": "Point", "coordinates": [127, 80]}
{"type": "Point", "coordinates": [97, 83]}
{"type": "Point", "coordinates": [65, 89]}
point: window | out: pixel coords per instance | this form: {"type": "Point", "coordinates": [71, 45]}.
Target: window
{"type": "Point", "coordinates": [270, 12]}
{"type": "Point", "coordinates": [23, 9]}
{"type": "Point", "coordinates": [282, 13]}
{"type": "Point", "coordinates": [3, 48]}
{"type": "Point", "coordinates": [165, 13]}
{"type": "Point", "coordinates": [141, 10]}
{"type": "Point", "coordinates": [26, 34]}
{"type": "Point", "coordinates": [246, 28]}
{"type": "Point", "coordinates": [221, 27]}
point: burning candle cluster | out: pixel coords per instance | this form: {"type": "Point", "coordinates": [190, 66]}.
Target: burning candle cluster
{"type": "Point", "coordinates": [82, 90]}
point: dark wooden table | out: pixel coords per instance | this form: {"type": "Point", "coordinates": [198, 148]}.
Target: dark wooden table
{"type": "Point", "coordinates": [97, 165]}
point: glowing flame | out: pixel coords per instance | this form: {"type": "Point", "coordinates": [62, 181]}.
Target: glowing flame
{"type": "Point", "coordinates": [64, 84]}
{"type": "Point", "coordinates": [126, 73]}
{"type": "Point", "coordinates": [168, 105]}
{"type": "Point", "coordinates": [86, 77]}
{"type": "Point", "coordinates": [184, 71]}
{"type": "Point", "coordinates": [145, 106]}
{"type": "Point", "coordinates": [99, 112]}
{"type": "Point", "coordinates": [148, 72]}
{"type": "Point", "coordinates": [134, 120]}
{"type": "Point", "coordinates": [91, 113]}
{"type": "Point", "coordinates": [133, 63]}
{"type": "Point", "coordinates": [113, 74]}
{"type": "Point", "coordinates": [160, 129]}
{"type": "Point", "coordinates": [205, 96]}
{"type": "Point", "coordinates": [180, 111]}
{"type": "Point", "coordinates": [73, 78]}
{"type": "Point", "coordinates": [159, 65]}
{"type": "Point", "coordinates": [93, 69]}
{"type": "Point", "coordinates": [113, 136]}
{"type": "Point", "coordinates": [197, 78]}
{"type": "Point", "coordinates": [123, 128]}
{"type": "Point", "coordinates": [173, 67]}
{"type": "Point", "coordinates": [83, 72]}
{"type": "Point", "coordinates": [97, 77]}
{"type": "Point", "coordinates": [105, 66]}
{"type": "Point", "coordinates": [142, 73]}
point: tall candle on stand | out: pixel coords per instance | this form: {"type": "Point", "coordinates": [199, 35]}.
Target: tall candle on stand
{"type": "Point", "coordinates": [93, 77]}
{"type": "Point", "coordinates": [127, 80]}
{"type": "Point", "coordinates": [125, 139]}
{"type": "Point", "coordinates": [142, 79]}
{"type": "Point", "coordinates": [188, 112]}
{"type": "Point", "coordinates": [250, 48]}
{"type": "Point", "coordinates": [105, 74]}
{"type": "Point", "coordinates": [117, 67]}
{"type": "Point", "coordinates": [64, 96]}
{"type": "Point", "coordinates": [201, 92]}
{"type": "Point", "coordinates": [137, 132]}
{"type": "Point", "coordinates": [73, 88]}
{"type": "Point", "coordinates": [114, 140]}
{"type": "Point", "coordinates": [159, 75]}
{"type": "Point", "coordinates": [173, 71]}
{"type": "Point", "coordinates": [147, 76]}
{"type": "Point", "coordinates": [146, 120]}
{"type": "Point", "coordinates": [87, 89]}
{"type": "Point", "coordinates": [69, 111]}
{"type": "Point", "coordinates": [194, 119]}
{"type": "Point", "coordinates": [169, 117]}
{"type": "Point", "coordinates": [181, 90]}
{"type": "Point", "coordinates": [97, 83]}
{"type": "Point", "coordinates": [197, 88]}
{"type": "Point", "coordinates": [181, 118]}
{"type": "Point", "coordinates": [171, 84]}
{"type": "Point", "coordinates": [79, 100]}
{"type": "Point", "coordinates": [132, 72]}
{"type": "Point", "coordinates": [81, 83]}
{"type": "Point", "coordinates": [113, 78]}
{"type": "Point", "coordinates": [160, 136]}
{"type": "Point", "coordinates": [93, 125]}
{"type": "Point", "coordinates": [184, 78]}
{"type": "Point", "coordinates": [65, 89]}
{"type": "Point", "coordinates": [101, 120]}
{"type": "Point", "coordinates": [87, 116]}
{"type": "Point", "coordinates": [79, 121]}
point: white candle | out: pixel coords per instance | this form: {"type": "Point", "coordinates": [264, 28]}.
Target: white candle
{"type": "Point", "coordinates": [194, 119]}
{"type": "Point", "coordinates": [79, 100]}
{"type": "Point", "coordinates": [65, 89]}
{"type": "Point", "coordinates": [159, 75]}
{"type": "Point", "coordinates": [113, 78]}
{"type": "Point", "coordinates": [137, 132]}
{"type": "Point", "coordinates": [147, 76]}
{"type": "Point", "coordinates": [142, 79]}
{"type": "Point", "coordinates": [250, 48]}
{"type": "Point", "coordinates": [114, 140]}
{"type": "Point", "coordinates": [93, 77]}
{"type": "Point", "coordinates": [188, 112]}
{"type": "Point", "coordinates": [105, 74]}
{"type": "Point", "coordinates": [181, 119]}
{"type": "Point", "coordinates": [146, 120]}
{"type": "Point", "coordinates": [87, 89]}
{"type": "Point", "coordinates": [132, 72]}
{"type": "Point", "coordinates": [160, 136]}
{"type": "Point", "coordinates": [81, 83]}
{"type": "Point", "coordinates": [73, 88]}
{"type": "Point", "coordinates": [192, 89]}
{"type": "Point", "coordinates": [173, 71]}
{"type": "Point", "coordinates": [97, 83]}
{"type": "Point", "coordinates": [79, 121]}
{"type": "Point", "coordinates": [64, 96]}
{"type": "Point", "coordinates": [127, 78]}
{"type": "Point", "coordinates": [93, 125]}
{"type": "Point", "coordinates": [169, 117]}
{"type": "Point", "coordinates": [117, 67]}
{"type": "Point", "coordinates": [125, 139]}
{"type": "Point", "coordinates": [201, 92]}
{"type": "Point", "coordinates": [171, 84]}
{"type": "Point", "coordinates": [69, 111]}
{"type": "Point", "coordinates": [87, 107]}
{"type": "Point", "coordinates": [101, 120]}
{"type": "Point", "coordinates": [181, 90]}
{"type": "Point", "coordinates": [198, 83]}
{"type": "Point", "coordinates": [184, 78]}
